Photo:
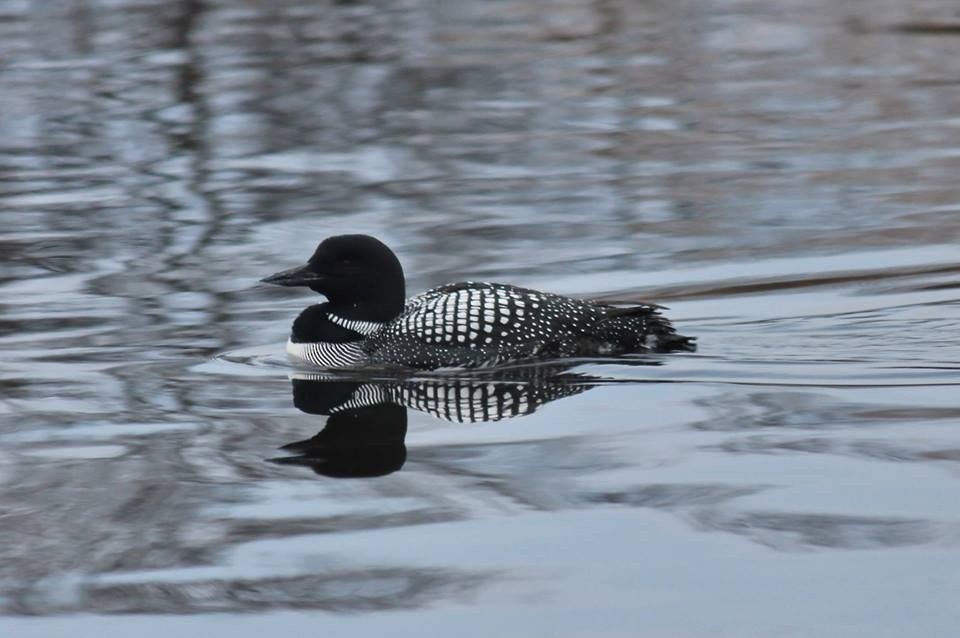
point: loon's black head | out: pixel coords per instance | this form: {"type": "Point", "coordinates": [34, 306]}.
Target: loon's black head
{"type": "Point", "coordinates": [357, 273]}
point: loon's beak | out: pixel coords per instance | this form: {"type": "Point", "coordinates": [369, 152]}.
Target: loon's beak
{"type": "Point", "coordinates": [299, 276]}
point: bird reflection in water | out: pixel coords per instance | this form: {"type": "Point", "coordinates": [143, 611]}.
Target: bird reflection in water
{"type": "Point", "coordinates": [367, 420]}
{"type": "Point", "coordinates": [363, 435]}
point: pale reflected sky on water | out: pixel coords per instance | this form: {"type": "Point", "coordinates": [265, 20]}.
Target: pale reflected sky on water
{"type": "Point", "coordinates": [781, 174]}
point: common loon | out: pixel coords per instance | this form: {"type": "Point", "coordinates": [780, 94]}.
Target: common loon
{"type": "Point", "coordinates": [368, 320]}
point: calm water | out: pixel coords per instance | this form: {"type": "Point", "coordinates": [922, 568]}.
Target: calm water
{"type": "Point", "coordinates": [782, 174]}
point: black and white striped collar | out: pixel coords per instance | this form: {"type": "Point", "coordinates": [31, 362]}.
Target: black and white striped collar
{"type": "Point", "coordinates": [365, 328]}
{"type": "Point", "coordinates": [327, 355]}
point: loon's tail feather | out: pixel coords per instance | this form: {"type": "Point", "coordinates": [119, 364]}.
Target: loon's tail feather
{"type": "Point", "coordinates": [660, 336]}
{"type": "Point", "coordinates": [674, 342]}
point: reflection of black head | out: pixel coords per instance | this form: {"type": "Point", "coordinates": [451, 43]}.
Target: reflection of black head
{"type": "Point", "coordinates": [356, 442]}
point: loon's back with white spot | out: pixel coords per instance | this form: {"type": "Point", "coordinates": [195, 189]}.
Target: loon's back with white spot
{"type": "Point", "coordinates": [473, 324]}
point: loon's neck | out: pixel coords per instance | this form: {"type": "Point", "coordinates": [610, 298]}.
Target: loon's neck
{"type": "Point", "coordinates": [376, 296]}
{"type": "Point", "coordinates": [328, 323]}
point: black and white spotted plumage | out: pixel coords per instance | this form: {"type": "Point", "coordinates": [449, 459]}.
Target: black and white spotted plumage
{"type": "Point", "coordinates": [474, 324]}
{"type": "Point", "coordinates": [470, 324]}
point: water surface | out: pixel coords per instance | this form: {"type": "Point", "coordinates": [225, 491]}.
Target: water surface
{"type": "Point", "coordinates": [781, 174]}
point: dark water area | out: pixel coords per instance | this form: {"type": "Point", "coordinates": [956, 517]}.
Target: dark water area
{"type": "Point", "coordinates": [782, 175]}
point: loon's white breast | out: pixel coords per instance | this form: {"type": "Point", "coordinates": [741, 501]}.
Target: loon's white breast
{"type": "Point", "coordinates": [327, 355]}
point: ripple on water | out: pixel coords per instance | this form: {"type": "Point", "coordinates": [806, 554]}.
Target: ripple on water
{"type": "Point", "coordinates": [782, 174]}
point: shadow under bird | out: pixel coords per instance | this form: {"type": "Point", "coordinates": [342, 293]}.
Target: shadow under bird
{"type": "Point", "coordinates": [367, 318]}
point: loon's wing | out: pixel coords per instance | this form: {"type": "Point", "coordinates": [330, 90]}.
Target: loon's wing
{"type": "Point", "coordinates": [472, 324]}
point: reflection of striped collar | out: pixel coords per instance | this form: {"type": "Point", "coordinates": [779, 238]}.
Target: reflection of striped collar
{"type": "Point", "coordinates": [366, 395]}
{"type": "Point", "coordinates": [363, 327]}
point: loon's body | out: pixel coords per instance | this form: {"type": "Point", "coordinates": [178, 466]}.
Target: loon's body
{"type": "Point", "coordinates": [367, 319]}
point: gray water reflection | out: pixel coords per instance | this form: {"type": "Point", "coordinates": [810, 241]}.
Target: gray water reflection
{"type": "Point", "coordinates": [781, 173]}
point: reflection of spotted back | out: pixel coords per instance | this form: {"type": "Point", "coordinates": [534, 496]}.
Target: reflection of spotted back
{"type": "Point", "coordinates": [489, 397]}
{"type": "Point", "coordinates": [474, 324]}
{"type": "Point", "coordinates": [469, 401]}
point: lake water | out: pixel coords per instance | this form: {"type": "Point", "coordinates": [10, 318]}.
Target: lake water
{"type": "Point", "coordinates": [783, 175]}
